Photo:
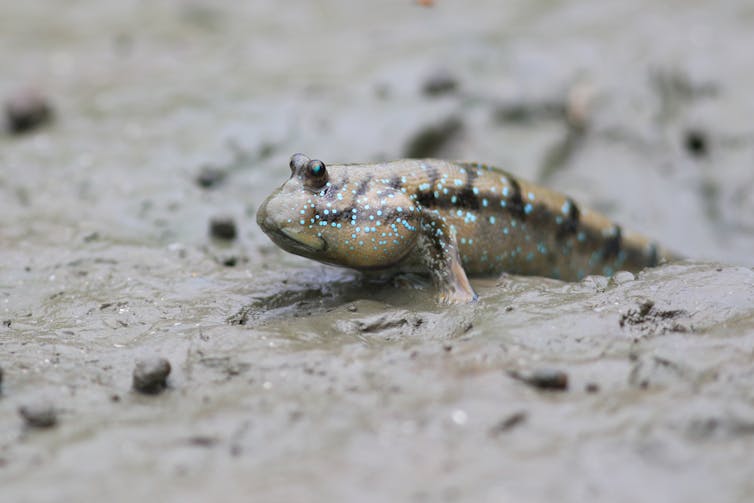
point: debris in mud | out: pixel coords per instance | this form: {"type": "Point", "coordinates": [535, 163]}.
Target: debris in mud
{"type": "Point", "coordinates": [546, 379]}
{"type": "Point", "coordinates": [676, 88]}
{"type": "Point", "coordinates": [440, 82]}
{"type": "Point", "coordinates": [401, 320]}
{"type": "Point", "coordinates": [579, 103]}
{"type": "Point", "coordinates": [27, 110]}
{"type": "Point", "coordinates": [150, 375]}
{"type": "Point", "coordinates": [242, 316]}
{"type": "Point", "coordinates": [653, 321]}
{"type": "Point", "coordinates": [721, 427]}
{"type": "Point", "coordinates": [521, 111]}
{"type": "Point", "coordinates": [653, 370]}
{"type": "Point", "coordinates": [430, 140]}
{"type": "Point", "coordinates": [592, 387]}
{"type": "Point", "coordinates": [39, 415]}
{"type": "Point", "coordinates": [223, 228]}
{"type": "Point", "coordinates": [202, 441]}
{"type": "Point", "coordinates": [696, 142]}
{"type": "Point", "coordinates": [508, 423]}
{"type": "Point", "coordinates": [7, 323]}
{"type": "Point", "coordinates": [227, 366]}
{"type": "Point", "coordinates": [210, 176]}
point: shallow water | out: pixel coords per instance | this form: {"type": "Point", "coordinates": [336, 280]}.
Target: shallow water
{"type": "Point", "coordinates": [292, 380]}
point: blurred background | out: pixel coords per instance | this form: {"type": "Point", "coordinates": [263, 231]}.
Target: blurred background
{"type": "Point", "coordinates": [640, 109]}
{"type": "Point", "coordinates": [139, 137]}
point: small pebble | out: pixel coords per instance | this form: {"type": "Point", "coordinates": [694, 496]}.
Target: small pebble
{"type": "Point", "coordinates": [230, 261]}
{"type": "Point", "coordinates": [39, 415]}
{"type": "Point", "coordinates": [696, 142]}
{"type": "Point", "coordinates": [27, 110]}
{"type": "Point", "coordinates": [150, 375]}
{"type": "Point", "coordinates": [621, 277]}
{"type": "Point", "coordinates": [549, 379]}
{"type": "Point", "coordinates": [592, 387]}
{"type": "Point", "coordinates": [209, 177]}
{"type": "Point", "coordinates": [223, 228]}
{"type": "Point", "coordinates": [440, 82]}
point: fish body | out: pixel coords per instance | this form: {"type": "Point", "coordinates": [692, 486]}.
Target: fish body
{"type": "Point", "coordinates": [450, 219]}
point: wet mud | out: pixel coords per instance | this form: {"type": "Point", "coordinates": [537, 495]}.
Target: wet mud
{"type": "Point", "coordinates": [127, 231]}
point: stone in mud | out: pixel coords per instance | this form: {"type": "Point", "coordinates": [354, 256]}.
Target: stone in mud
{"type": "Point", "coordinates": [209, 177]}
{"type": "Point", "coordinates": [150, 375]}
{"type": "Point", "coordinates": [696, 143]}
{"type": "Point", "coordinates": [223, 228]}
{"type": "Point", "coordinates": [440, 82]}
{"type": "Point", "coordinates": [39, 415]}
{"type": "Point", "coordinates": [27, 110]}
{"type": "Point", "coordinates": [546, 379]}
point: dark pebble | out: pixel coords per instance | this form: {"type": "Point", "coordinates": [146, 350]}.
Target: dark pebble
{"type": "Point", "coordinates": [26, 111]}
{"type": "Point", "coordinates": [440, 82]}
{"type": "Point", "coordinates": [150, 375]}
{"type": "Point", "coordinates": [209, 177]}
{"type": "Point", "coordinates": [6, 323]}
{"type": "Point", "coordinates": [39, 415]}
{"type": "Point", "coordinates": [696, 143]}
{"type": "Point", "coordinates": [223, 228]}
{"type": "Point", "coordinates": [592, 387]}
{"type": "Point", "coordinates": [548, 379]}
{"type": "Point", "coordinates": [231, 261]}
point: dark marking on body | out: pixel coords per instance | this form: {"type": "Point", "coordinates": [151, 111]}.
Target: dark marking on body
{"type": "Point", "coordinates": [363, 186]}
{"type": "Point", "coordinates": [466, 198]}
{"type": "Point", "coordinates": [570, 222]}
{"type": "Point", "coordinates": [653, 257]}
{"type": "Point", "coordinates": [613, 243]}
{"type": "Point", "coordinates": [515, 202]}
{"type": "Point", "coordinates": [332, 190]}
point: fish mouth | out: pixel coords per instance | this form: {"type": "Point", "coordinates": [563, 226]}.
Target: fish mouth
{"type": "Point", "coordinates": [294, 241]}
{"type": "Point", "coordinates": [308, 241]}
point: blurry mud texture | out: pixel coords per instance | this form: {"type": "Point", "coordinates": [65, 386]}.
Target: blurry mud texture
{"type": "Point", "coordinates": [292, 381]}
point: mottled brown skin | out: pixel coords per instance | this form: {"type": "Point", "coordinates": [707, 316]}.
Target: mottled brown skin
{"type": "Point", "coordinates": [452, 219]}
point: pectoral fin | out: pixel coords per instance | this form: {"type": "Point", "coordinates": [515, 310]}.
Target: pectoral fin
{"type": "Point", "coordinates": [439, 251]}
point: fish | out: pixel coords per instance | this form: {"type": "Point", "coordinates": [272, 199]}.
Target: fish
{"type": "Point", "coordinates": [450, 219]}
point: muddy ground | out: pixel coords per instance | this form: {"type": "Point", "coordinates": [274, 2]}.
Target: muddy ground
{"type": "Point", "coordinates": [292, 381]}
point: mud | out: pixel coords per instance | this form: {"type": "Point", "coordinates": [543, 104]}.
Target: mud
{"type": "Point", "coordinates": [294, 381]}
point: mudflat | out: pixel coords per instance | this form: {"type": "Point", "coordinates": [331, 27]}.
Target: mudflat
{"type": "Point", "coordinates": [128, 234]}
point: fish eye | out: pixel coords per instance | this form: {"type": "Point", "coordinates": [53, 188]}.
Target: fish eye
{"type": "Point", "coordinates": [316, 173]}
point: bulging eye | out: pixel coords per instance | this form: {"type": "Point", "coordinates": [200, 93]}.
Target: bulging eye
{"type": "Point", "coordinates": [316, 173]}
